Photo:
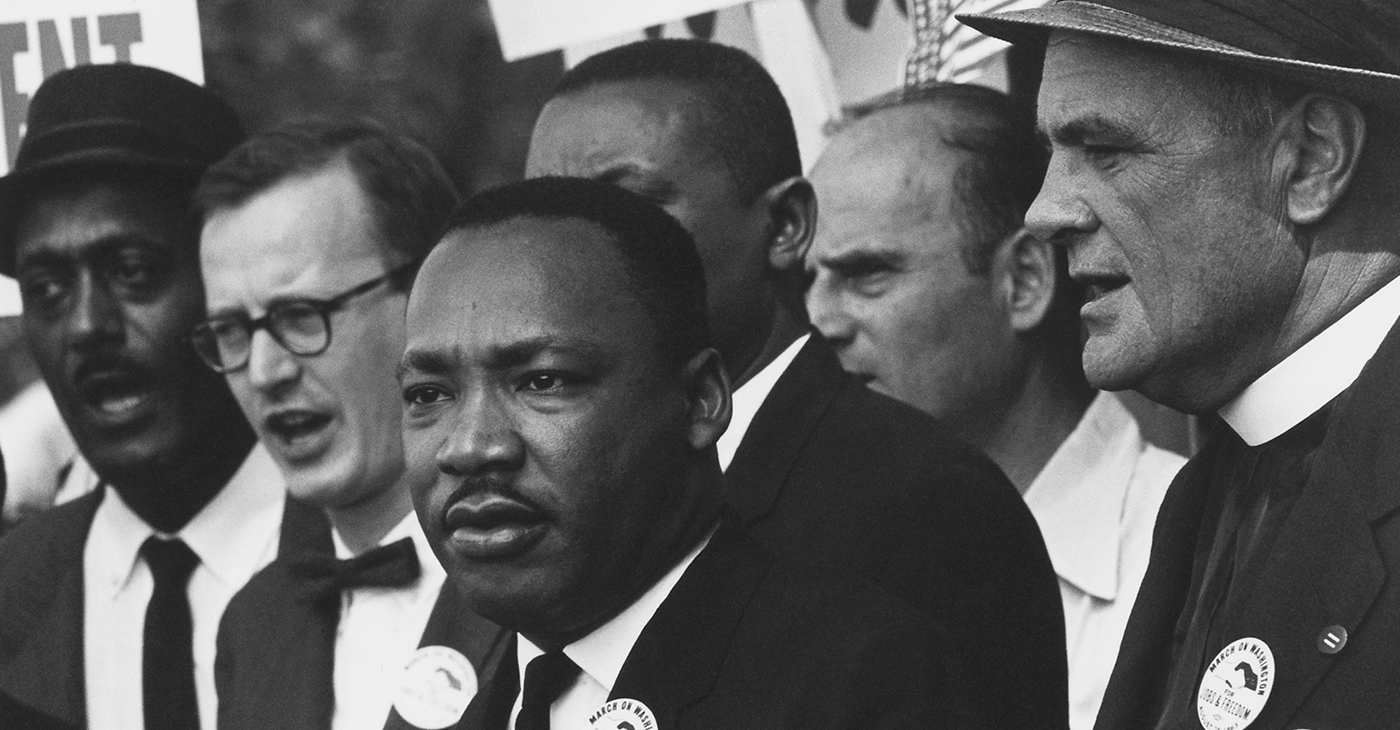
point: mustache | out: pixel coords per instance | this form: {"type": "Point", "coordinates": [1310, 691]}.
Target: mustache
{"type": "Point", "coordinates": [490, 483]}
{"type": "Point", "coordinates": [92, 365]}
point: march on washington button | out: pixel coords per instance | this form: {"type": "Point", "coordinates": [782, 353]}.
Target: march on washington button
{"type": "Point", "coordinates": [1236, 685]}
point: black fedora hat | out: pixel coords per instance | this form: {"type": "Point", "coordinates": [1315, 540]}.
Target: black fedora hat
{"type": "Point", "coordinates": [1348, 47]}
{"type": "Point", "coordinates": [115, 117]}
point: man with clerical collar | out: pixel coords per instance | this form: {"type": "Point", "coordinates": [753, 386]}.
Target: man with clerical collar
{"type": "Point", "coordinates": [925, 280]}
{"type": "Point", "coordinates": [561, 408]}
{"type": "Point", "coordinates": [312, 233]}
{"type": "Point", "coordinates": [109, 605]}
{"type": "Point", "coordinates": [817, 467]}
{"type": "Point", "coordinates": [1224, 177]}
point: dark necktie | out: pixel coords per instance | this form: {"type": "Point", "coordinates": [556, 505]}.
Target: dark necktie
{"type": "Point", "coordinates": [167, 661]}
{"type": "Point", "coordinates": [387, 566]}
{"type": "Point", "coordinates": [546, 677]}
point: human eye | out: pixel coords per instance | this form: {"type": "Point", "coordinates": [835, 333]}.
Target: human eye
{"type": "Point", "coordinates": [425, 395]}
{"type": "Point", "coordinates": [546, 382]}
{"type": "Point", "coordinates": [133, 268]}
{"type": "Point", "coordinates": [43, 288]}
{"type": "Point", "coordinates": [866, 275]}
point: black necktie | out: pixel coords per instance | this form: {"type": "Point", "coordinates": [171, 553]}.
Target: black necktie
{"type": "Point", "coordinates": [387, 566]}
{"type": "Point", "coordinates": [546, 677]}
{"type": "Point", "coordinates": [167, 660]}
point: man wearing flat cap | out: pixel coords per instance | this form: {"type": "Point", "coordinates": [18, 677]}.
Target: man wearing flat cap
{"type": "Point", "coordinates": [109, 605]}
{"type": "Point", "coordinates": [1224, 176]}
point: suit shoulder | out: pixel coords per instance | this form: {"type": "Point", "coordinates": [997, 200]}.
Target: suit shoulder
{"type": "Point", "coordinates": [60, 531]}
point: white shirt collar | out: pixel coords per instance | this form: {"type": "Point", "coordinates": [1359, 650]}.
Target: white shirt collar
{"type": "Point", "coordinates": [749, 397]}
{"type": "Point", "coordinates": [1077, 498]}
{"type": "Point", "coordinates": [602, 653]}
{"type": "Point", "coordinates": [217, 533]}
{"type": "Point", "coordinates": [1315, 373]}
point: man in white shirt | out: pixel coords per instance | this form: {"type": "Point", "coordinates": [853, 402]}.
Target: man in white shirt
{"type": "Point", "coordinates": [1223, 175]}
{"type": "Point", "coordinates": [111, 603]}
{"type": "Point", "coordinates": [930, 290]}
{"type": "Point", "coordinates": [561, 409]}
{"type": "Point", "coordinates": [702, 130]}
{"type": "Point", "coordinates": [313, 232]}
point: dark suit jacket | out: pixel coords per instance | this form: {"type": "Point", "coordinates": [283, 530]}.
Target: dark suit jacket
{"type": "Point", "coordinates": [41, 604]}
{"type": "Point", "coordinates": [833, 473]}
{"type": "Point", "coordinates": [747, 641]}
{"type": "Point", "coordinates": [276, 660]}
{"type": "Point", "coordinates": [1329, 565]}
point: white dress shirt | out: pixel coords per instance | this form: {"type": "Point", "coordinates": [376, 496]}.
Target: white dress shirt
{"type": "Point", "coordinates": [601, 654]}
{"type": "Point", "coordinates": [235, 535]}
{"type": "Point", "coordinates": [749, 397]}
{"type": "Point", "coordinates": [1315, 373]}
{"type": "Point", "coordinates": [1096, 503]}
{"type": "Point", "coordinates": [379, 630]}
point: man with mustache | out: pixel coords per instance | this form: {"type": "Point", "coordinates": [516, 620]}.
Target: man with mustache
{"type": "Point", "coordinates": [817, 466]}
{"type": "Point", "coordinates": [312, 234]}
{"type": "Point", "coordinates": [109, 605]}
{"type": "Point", "coordinates": [561, 409]}
{"type": "Point", "coordinates": [1223, 174]}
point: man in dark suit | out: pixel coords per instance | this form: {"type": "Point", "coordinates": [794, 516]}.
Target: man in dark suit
{"type": "Point", "coordinates": [1224, 176]}
{"type": "Point", "coordinates": [312, 233]}
{"type": "Point", "coordinates": [109, 605]}
{"type": "Point", "coordinates": [816, 466]}
{"type": "Point", "coordinates": [561, 409]}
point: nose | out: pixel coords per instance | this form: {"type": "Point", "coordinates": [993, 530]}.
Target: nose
{"type": "Point", "coordinates": [1059, 213]}
{"type": "Point", "coordinates": [271, 368]}
{"type": "Point", "coordinates": [825, 307]}
{"type": "Point", "coordinates": [96, 317]}
{"type": "Point", "coordinates": [483, 439]}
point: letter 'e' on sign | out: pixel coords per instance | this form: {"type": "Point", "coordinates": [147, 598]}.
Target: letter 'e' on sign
{"type": "Point", "coordinates": [41, 37]}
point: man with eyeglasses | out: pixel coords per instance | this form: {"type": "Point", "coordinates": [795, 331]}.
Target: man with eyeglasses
{"type": "Point", "coordinates": [109, 604]}
{"type": "Point", "coordinates": [312, 236]}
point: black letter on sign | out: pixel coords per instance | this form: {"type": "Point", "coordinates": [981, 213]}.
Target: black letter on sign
{"type": "Point", "coordinates": [120, 32]}
{"type": "Point", "coordinates": [14, 106]}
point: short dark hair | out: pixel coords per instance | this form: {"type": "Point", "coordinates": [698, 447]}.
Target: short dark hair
{"type": "Point", "coordinates": [1002, 171]}
{"type": "Point", "coordinates": [409, 192]}
{"type": "Point", "coordinates": [739, 113]}
{"type": "Point", "coordinates": [656, 252]}
{"type": "Point", "coordinates": [995, 184]}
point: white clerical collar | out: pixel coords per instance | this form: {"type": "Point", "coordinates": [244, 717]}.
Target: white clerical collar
{"type": "Point", "coordinates": [749, 397]}
{"type": "Point", "coordinates": [219, 534]}
{"type": "Point", "coordinates": [1315, 373]}
{"type": "Point", "coordinates": [602, 653]}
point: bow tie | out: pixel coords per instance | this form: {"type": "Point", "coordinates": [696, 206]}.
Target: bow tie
{"type": "Point", "coordinates": [387, 566]}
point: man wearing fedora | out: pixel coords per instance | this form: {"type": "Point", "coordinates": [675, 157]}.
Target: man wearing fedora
{"type": "Point", "coordinates": [1224, 176]}
{"type": "Point", "coordinates": [109, 605]}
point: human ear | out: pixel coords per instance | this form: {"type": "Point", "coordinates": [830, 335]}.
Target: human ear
{"type": "Point", "coordinates": [792, 213]}
{"type": "Point", "coordinates": [1026, 267]}
{"type": "Point", "coordinates": [1316, 154]}
{"type": "Point", "coordinates": [708, 393]}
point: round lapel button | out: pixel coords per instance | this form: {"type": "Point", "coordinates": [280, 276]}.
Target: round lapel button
{"type": "Point", "coordinates": [1332, 639]}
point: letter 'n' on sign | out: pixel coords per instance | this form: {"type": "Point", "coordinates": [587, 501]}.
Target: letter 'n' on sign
{"type": "Point", "coordinates": [39, 38]}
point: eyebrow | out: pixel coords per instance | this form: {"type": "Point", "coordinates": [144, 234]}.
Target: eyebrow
{"type": "Point", "coordinates": [1075, 132]}
{"type": "Point", "coordinates": [514, 354]}
{"type": "Point", "coordinates": [104, 246]}
{"type": "Point", "coordinates": [848, 260]}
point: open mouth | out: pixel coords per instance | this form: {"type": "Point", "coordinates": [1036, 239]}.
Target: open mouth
{"type": "Point", "coordinates": [487, 525]}
{"type": "Point", "coordinates": [116, 395]}
{"type": "Point", "coordinates": [297, 433]}
{"type": "Point", "coordinates": [1099, 286]}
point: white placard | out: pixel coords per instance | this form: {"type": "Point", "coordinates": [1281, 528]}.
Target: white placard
{"type": "Point", "coordinates": [529, 27]}
{"type": "Point", "coordinates": [9, 297]}
{"type": "Point", "coordinates": [41, 37]}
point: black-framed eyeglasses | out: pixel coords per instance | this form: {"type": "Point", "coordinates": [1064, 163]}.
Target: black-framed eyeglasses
{"type": "Point", "coordinates": [301, 326]}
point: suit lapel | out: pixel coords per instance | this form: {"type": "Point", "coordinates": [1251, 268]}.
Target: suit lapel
{"type": "Point", "coordinates": [490, 709]}
{"type": "Point", "coordinates": [1324, 568]}
{"type": "Point", "coordinates": [46, 671]}
{"type": "Point", "coordinates": [678, 655]}
{"type": "Point", "coordinates": [780, 429]}
{"type": "Point", "coordinates": [452, 624]}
